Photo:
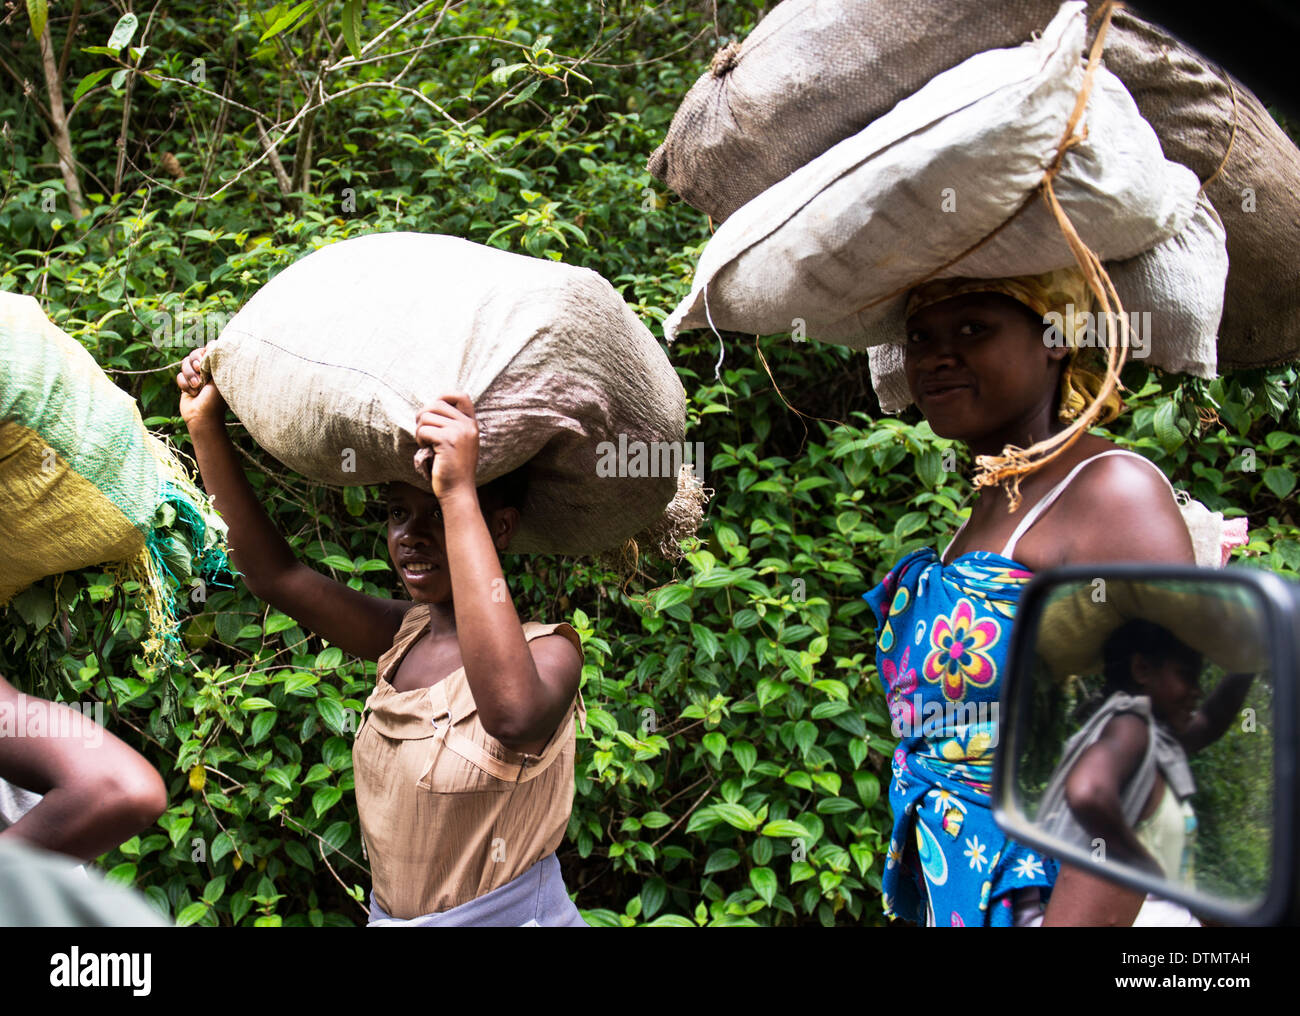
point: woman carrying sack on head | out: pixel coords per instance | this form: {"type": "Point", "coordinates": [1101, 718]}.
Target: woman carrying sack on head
{"type": "Point", "coordinates": [982, 369]}
{"type": "Point", "coordinates": [464, 761]}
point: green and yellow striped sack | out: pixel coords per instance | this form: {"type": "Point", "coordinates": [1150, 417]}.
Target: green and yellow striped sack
{"type": "Point", "coordinates": [83, 483]}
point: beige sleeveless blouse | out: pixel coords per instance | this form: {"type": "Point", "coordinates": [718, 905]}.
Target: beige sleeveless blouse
{"type": "Point", "coordinates": [447, 812]}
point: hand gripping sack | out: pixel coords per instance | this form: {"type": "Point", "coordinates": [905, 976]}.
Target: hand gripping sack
{"type": "Point", "coordinates": [944, 185]}
{"type": "Point", "coordinates": [329, 363]}
{"type": "Point", "coordinates": [83, 484]}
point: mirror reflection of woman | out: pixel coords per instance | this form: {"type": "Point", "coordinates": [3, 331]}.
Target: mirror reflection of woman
{"type": "Point", "coordinates": [981, 371]}
{"type": "Point", "coordinates": [1124, 785]}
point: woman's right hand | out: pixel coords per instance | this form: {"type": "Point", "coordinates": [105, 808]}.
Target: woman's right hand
{"type": "Point", "coordinates": [200, 400]}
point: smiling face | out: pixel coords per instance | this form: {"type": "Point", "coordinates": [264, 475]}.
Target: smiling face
{"type": "Point", "coordinates": [979, 369]}
{"type": "Point", "coordinates": [417, 543]}
{"type": "Point", "coordinates": [1173, 682]}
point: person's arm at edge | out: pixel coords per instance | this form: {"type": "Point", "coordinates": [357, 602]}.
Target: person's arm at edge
{"type": "Point", "coordinates": [97, 795]}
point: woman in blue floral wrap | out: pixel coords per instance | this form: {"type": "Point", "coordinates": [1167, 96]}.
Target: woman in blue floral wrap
{"type": "Point", "coordinates": [981, 372]}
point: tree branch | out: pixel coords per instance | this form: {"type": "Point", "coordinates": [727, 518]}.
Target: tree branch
{"type": "Point", "coordinates": [277, 167]}
{"type": "Point", "coordinates": [59, 118]}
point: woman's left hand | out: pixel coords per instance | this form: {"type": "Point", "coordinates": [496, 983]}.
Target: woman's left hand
{"type": "Point", "coordinates": [447, 427]}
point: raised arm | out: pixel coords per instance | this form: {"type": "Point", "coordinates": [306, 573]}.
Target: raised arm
{"type": "Point", "coordinates": [1214, 717]}
{"type": "Point", "coordinates": [358, 624]}
{"type": "Point", "coordinates": [98, 791]}
{"type": "Point", "coordinates": [522, 690]}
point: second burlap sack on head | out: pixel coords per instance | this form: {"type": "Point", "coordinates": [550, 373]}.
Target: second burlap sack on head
{"type": "Point", "coordinates": [814, 72]}
{"type": "Point", "coordinates": [329, 363]}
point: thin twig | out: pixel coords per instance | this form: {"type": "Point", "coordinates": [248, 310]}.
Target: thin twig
{"type": "Point", "coordinates": [687, 814]}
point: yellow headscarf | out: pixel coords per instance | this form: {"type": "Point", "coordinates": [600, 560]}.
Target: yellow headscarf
{"type": "Point", "coordinates": [1064, 300]}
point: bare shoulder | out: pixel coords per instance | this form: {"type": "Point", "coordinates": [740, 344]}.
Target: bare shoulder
{"type": "Point", "coordinates": [1125, 511]}
{"type": "Point", "coordinates": [1128, 731]}
{"type": "Point", "coordinates": [556, 657]}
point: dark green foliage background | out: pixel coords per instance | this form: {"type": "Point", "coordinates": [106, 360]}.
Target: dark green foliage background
{"type": "Point", "coordinates": [736, 754]}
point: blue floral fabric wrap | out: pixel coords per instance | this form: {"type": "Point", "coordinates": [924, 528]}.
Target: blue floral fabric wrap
{"type": "Point", "coordinates": [944, 636]}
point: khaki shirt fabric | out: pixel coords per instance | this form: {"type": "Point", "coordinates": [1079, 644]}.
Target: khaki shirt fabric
{"type": "Point", "coordinates": [447, 812]}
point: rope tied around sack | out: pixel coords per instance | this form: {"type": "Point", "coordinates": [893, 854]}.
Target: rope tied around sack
{"type": "Point", "coordinates": [1015, 463]}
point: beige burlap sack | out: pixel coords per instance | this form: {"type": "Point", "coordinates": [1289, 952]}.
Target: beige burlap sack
{"type": "Point", "coordinates": [944, 184]}
{"type": "Point", "coordinates": [815, 72]}
{"type": "Point", "coordinates": [329, 363]}
{"type": "Point", "coordinates": [812, 73]}
{"type": "Point", "coordinates": [1193, 107]}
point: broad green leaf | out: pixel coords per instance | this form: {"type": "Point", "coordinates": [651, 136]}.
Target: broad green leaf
{"type": "Point", "coordinates": [221, 846]}
{"type": "Point", "coordinates": [325, 799]}
{"type": "Point", "coordinates": [745, 754]}
{"type": "Point", "coordinates": [262, 724]}
{"type": "Point", "coordinates": [1279, 480]}
{"type": "Point", "coordinates": [671, 595]}
{"type": "Point", "coordinates": [90, 81]}
{"type": "Point", "coordinates": [123, 874]}
{"type": "Point", "coordinates": [35, 606]}
{"type": "Point", "coordinates": [287, 20]}
{"type": "Point", "coordinates": [123, 31]}
{"type": "Point", "coordinates": [737, 647]}
{"type": "Point", "coordinates": [1165, 423]}
{"type": "Point", "coordinates": [298, 681]}
{"type": "Point", "coordinates": [331, 711]}
{"type": "Point", "coordinates": [300, 855]}
{"type": "Point", "coordinates": [37, 13]}
{"type": "Point", "coordinates": [868, 785]}
{"type": "Point", "coordinates": [721, 860]}
{"type": "Point", "coordinates": [525, 95]}
{"type": "Point", "coordinates": [738, 816]}
{"type": "Point", "coordinates": [764, 882]}
{"type": "Point", "coordinates": [213, 891]}
{"type": "Point", "coordinates": [352, 36]}
{"type": "Point", "coordinates": [277, 622]}
{"type": "Point", "coordinates": [784, 828]}
{"type": "Point", "coordinates": [191, 914]}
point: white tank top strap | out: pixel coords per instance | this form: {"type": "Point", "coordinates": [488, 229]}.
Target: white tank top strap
{"type": "Point", "coordinates": [944, 555]}
{"type": "Point", "coordinates": [1047, 500]}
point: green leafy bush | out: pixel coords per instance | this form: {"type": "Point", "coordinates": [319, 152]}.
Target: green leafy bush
{"type": "Point", "coordinates": [733, 764]}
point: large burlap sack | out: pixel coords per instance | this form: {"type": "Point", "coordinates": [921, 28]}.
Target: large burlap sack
{"type": "Point", "coordinates": [814, 72]}
{"type": "Point", "coordinates": [82, 483]}
{"type": "Point", "coordinates": [1194, 107]}
{"type": "Point", "coordinates": [329, 363]}
{"type": "Point", "coordinates": [1172, 293]}
{"type": "Point", "coordinates": [950, 170]}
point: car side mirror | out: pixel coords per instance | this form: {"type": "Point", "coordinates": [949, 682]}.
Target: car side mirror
{"type": "Point", "coordinates": [1148, 720]}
